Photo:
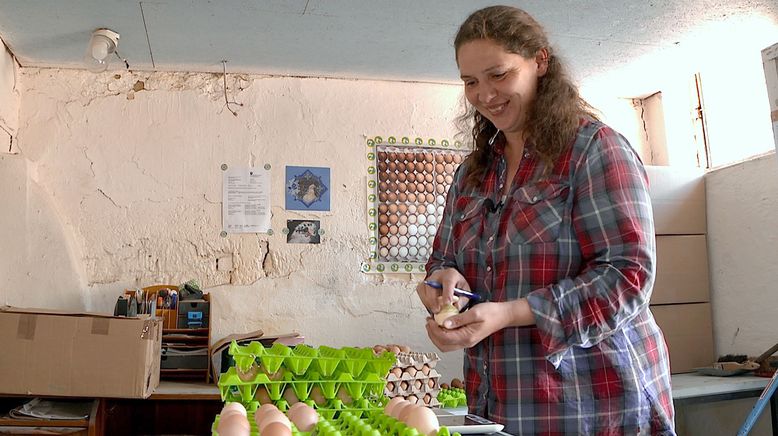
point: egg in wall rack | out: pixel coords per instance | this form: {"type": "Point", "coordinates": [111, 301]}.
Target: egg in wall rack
{"type": "Point", "coordinates": [407, 183]}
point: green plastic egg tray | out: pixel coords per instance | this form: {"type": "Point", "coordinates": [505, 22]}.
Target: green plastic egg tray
{"type": "Point", "coordinates": [348, 423]}
{"type": "Point", "coordinates": [356, 371]}
{"type": "Point", "coordinates": [452, 397]}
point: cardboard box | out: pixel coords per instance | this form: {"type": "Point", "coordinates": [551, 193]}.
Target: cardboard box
{"type": "Point", "coordinates": [688, 330]}
{"type": "Point", "coordinates": [678, 200]}
{"type": "Point", "coordinates": [681, 270]}
{"type": "Point", "coordinates": [50, 352]}
{"type": "Point", "coordinates": [770, 63]}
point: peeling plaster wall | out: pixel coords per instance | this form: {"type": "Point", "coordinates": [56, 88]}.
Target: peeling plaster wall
{"type": "Point", "coordinates": [132, 164]}
{"type": "Point", "coordinates": [9, 101]}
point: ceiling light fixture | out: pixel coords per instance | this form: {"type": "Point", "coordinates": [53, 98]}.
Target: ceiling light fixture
{"type": "Point", "coordinates": [102, 45]}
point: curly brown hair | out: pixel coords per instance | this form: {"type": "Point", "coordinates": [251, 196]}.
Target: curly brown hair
{"type": "Point", "coordinates": [558, 107]}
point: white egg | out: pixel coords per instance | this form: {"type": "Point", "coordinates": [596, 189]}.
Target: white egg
{"type": "Point", "coordinates": [422, 219]}
{"type": "Point", "coordinates": [413, 240]}
{"type": "Point", "coordinates": [431, 230]}
{"type": "Point", "coordinates": [412, 208]}
{"type": "Point", "coordinates": [440, 210]}
{"type": "Point", "coordinates": [403, 251]}
{"type": "Point", "coordinates": [412, 229]}
{"type": "Point", "coordinates": [393, 251]}
{"type": "Point", "coordinates": [431, 219]}
{"type": "Point", "coordinates": [422, 230]}
{"type": "Point", "coordinates": [412, 219]}
{"type": "Point", "coordinates": [413, 251]}
{"type": "Point", "coordinates": [422, 251]}
{"type": "Point", "coordinates": [383, 252]}
{"type": "Point", "coordinates": [403, 240]}
{"type": "Point", "coordinates": [441, 200]}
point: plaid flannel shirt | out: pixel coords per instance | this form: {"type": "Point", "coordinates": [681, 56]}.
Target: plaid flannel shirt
{"type": "Point", "coordinates": [578, 244]}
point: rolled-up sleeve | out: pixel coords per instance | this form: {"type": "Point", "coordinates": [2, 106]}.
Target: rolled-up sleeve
{"type": "Point", "coordinates": [612, 221]}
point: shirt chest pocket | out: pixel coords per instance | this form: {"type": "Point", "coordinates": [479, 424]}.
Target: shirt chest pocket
{"type": "Point", "coordinates": [467, 221]}
{"type": "Point", "coordinates": [537, 211]}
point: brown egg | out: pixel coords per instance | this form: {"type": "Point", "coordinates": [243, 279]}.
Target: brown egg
{"type": "Point", "coordinates": [394, 240]}
{"type": "Point", "coordinates": [392, 208]}
{"type": "Point", "coordinates": [428, 157]}
{"type": "Point", "coordinates": [393, 230]}
{"type": "Point", "coordinates": [448, 158]}
{"type": "Point", "coordinates": [430, 187]}
{"type": "Point", "coordinates": [410, 156]}
{"type": "Point", "coordinates": [449, 168]}
{"type": "Point", "coordinates": [392, 404]}
{"type": "Point", "coordinates": [428, 167]}
{"type": "Point", "coordinates": [403, 208]}
{"type": "Point", "coordinates": [440, 178]}
{"type": "Point", "coordinates": [411, 177]}
{"type": "Point", "coordinates": [440, 189]}
{"type": "Point", "coordinates": [449, 179]}
{"type": "Point", "coordinates": [402, 196]}
{"type": "Point", "coordinates": [402, 187]}
{"type": "Point", "coordinates": [423, 419]}
{"type": "Point", "coordinates": [384, 241]}
{"type": "Point", "coordinates": [401, 177]}
{"type": "Point", "coordinates": [382, 208]}
{"type": "Point", "coordinates": [383, 196]}
{"type": "Point", "coordinates": [381, 155]}
{"type": "Point", "coordinates": [276, 429]}
{"type": "Point", "coordinates": [392, 197]}
{"type": "Point", "coordinates": [393, 219]}
{"type": "Point", "coordinates": [403, 219]}
{"type": "Point", "coordinates": [403, 229]}
{"type": "Point", "coordinates": [412, 196]}
{"type": "Point", "coordinates": [439, 158]}
{"type": "Point", "coordinates": [421, 209]}
{"type": "Point", "coordinates": [430, 198]}
{"type": "Point", "coordinates": [383, 229]}
{"type": "Point", "coordinates": [392, 166]}
{"type": "Point", "coordinates": [440, 167]}
{"type": "Point", "coordinates": [234, 424]}
{"type": "Point", "coordinates": [383, 219]}
{"type": "Point", "coordinates": [419, 167]}
{"type": "Point", "coordinates": [382, 166]}
{"type": "Point", "coordinates": [400, 166]}
{"type": "Point", "coordinates": [290, 396]}
{"type": "Point", "coordinates": [428, 178]}
{"type": "Point", "coordinates": [304, 417]}
{"type": "Point", "coordinates": [457, 158]}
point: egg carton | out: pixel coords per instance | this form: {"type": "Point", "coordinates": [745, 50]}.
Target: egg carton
{"type": "Point", "coordinates": [417, 386]}
{"type": "Point", "coordinates": [326, 362]}
{"type": "Point", "coordinates": [416, 360]}
{"type": "Point", "coordinates": [345, 422]}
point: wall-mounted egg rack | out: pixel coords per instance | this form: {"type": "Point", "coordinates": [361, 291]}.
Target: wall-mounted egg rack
{"type": "Point", "coordinates": [407, 184]}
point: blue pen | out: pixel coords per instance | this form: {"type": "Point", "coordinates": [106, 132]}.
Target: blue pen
{"type": "Point", "coordinates": [460, 292]}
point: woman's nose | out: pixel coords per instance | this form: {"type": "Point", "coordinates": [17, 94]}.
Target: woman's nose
{"type": "Point", "coordinates": [486, 93]}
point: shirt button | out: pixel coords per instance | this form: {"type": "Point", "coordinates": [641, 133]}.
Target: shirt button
{"type": "Point", "coordinates": [526, 154]}
{"type": "Point", "coordinates": [534, 199]}
{"type": "Point", "coordinates": [488, 268]}
{"type": "Point", "coordinates": [461, 216]}
{"type": "Point", "coordinates": [501, 185]}
{"type": "Point", "coordinates": [491, 238]}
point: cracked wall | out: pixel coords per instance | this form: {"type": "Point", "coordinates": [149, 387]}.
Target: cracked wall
{"type": "Point", "coordinates": [131, 164]}
{"type": "Point", "coordinates": [9, 101]}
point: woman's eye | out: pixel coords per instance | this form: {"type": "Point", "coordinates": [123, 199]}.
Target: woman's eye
{"type": "Point", "coordinates": [498, 75]}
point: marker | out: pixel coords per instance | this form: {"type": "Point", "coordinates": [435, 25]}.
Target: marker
{"type": "Point", "coordinates": [460, 292]}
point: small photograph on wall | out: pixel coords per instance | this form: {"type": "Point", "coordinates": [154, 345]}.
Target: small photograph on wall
{"type": "Point", "coordinates": [303, 232]}
{"type": "Point", "coordinates": [307, 188]}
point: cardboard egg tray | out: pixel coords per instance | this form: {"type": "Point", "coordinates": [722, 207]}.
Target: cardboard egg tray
{"type": "Point", "coordinates": [347, 423]}
{"type": "Point", "coordinates": [328, 379]}
{"type": "Point", "coordinates": [418, 381]}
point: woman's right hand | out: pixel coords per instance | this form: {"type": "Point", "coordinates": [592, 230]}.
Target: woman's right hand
{"type": "Point", "coordinates": [432, 298]}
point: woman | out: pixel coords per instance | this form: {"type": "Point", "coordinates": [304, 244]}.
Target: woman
{"type": "Point", "coordinates": [550, 222]}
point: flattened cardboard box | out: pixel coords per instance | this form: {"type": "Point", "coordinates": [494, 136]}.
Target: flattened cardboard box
{"type": "Point", "coordinates": [681, 270]}
{"type": "Point", "coordinates": [678, 200]}
{"type": "Point", "coordinates": [50, 352]}
{"type": "Point", "coordinates": [688, 331]}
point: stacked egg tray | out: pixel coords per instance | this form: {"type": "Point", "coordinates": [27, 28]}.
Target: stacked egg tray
{"type": "Point", "coordinates": [328, 379]}
{"type": "Point", "coordinates": [452, 397]}
{"type": "Point", "coordinates": [349, 423]}
{"type": "Point", "coordinates": [414, 378]}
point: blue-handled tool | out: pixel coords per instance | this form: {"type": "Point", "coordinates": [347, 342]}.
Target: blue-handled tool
{"type": "Point", "coordinates": [459, 292]}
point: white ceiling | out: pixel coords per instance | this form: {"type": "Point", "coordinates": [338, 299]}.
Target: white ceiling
{"type": "Point", "coordinates": [367, 39]}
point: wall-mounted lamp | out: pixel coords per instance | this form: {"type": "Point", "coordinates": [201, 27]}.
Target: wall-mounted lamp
{"type": "Point", "coordinates": [101, 47]}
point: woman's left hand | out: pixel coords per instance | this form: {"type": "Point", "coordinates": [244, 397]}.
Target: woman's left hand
{"type": "Point", "coordinates": [470, 327]}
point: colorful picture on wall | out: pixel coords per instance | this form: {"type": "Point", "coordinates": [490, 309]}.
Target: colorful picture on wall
{"type": "Point", "coordinates": [307, 188]}
{"type": "Point", "coordinates": [303, 231]}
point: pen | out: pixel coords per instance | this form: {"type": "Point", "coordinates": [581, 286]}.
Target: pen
{"type": "Point", "coordinates": [460, 292]}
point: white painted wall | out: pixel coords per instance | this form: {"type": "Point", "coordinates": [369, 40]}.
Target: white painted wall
{"type": "Point", "coordinates": [136, 182]}
{"type": "Point", "coordinates": [9, 101]}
